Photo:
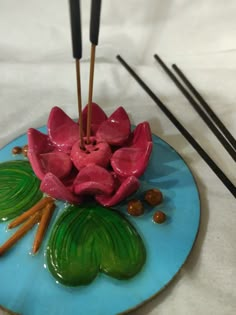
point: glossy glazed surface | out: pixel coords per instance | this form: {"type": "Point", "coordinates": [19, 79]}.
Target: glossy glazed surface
{"type": "Point", "coordinates": [90, 239]}
{"type": "Point", "coordinates": [19, 188]}
{"type": "Point", "coordinates": [167, 246]}
{"type": "Point", "coordinates": [124, 154]}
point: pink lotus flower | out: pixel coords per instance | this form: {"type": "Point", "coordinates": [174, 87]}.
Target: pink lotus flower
{"type": "Point", "coordinates": [109, 166]}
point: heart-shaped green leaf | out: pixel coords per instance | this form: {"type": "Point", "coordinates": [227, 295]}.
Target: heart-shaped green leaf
{"type": "Point", "coordinates": [19, 188]}
{"type": "Point", "coordinates": [90, 239]}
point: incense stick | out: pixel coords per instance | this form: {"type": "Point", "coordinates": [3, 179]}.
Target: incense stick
{"type": "Point", "coordinates": [77, 54]}
{"type": "Point", "coordinates": [94, 33]}
{"type": "Point", "coordinates": [219, 173]}
{"type": "Point", "coordinates": [198, 109]}
{"type": "Point", "coordinates": [206, 106]}
{"type": "Point", "coordinates": [90, 96]}
{"type": "Point", "coordinates": [20, 233]}
{"type": "Point", "coordinates": [25, 215]}
{"type": "Point", "coordinates": [43, 225]}
{"type": "Point", "coordinates": [81, 132]}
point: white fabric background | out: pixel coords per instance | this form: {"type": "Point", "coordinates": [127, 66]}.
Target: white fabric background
{"type": "Point", "coordinates": [37, 72]}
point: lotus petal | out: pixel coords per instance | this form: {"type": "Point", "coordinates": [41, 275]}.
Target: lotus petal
{"type": "Point", "coordinates": [57, 163]}
{"type": "Point", "coordinates": [38, 142]}
{"type": "Point", "coordinates": [133, 160]}
{"type": "Point", "coordinates": [62, 130]}
{"type": "Point", "coordinates": [116, 129]}
{"type": "Point", "coordinates": [92, 180]}
{"type": "Point", "coordinates": [55, 188]}
{"type": "Point", "coordinates": [98, 117]}
{"type": "Point", "coordinates": [127, 187]}
{"type": "Point", "coordinates": [43, 159]}
{"type": "Point", "coordinates": [142, 135]}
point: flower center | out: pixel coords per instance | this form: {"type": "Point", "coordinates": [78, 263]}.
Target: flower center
{"type": "Point", "coordinates": [96, 152]}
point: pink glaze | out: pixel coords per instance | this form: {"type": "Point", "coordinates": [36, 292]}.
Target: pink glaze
{"type": "Point", "coordinates": [116, 129]}
{"type": "Point", "coordinates": [38, 142]}
{"type": "Point", "coordinates": [95, 153]}
{"type": "Point", "coordinates": [93, 180]}
{"type": "Point", "coordinates": [127, 187]}
{"type": "Point", "coordinates": [43, 159]}
{"type": "Point", "coordinates": [98, 116]}
{"type": "Point", "coordinates": [58, 163]}
{"type": "Point", "coordinates": [68, 181]}
{"type": "Point", "coordinates": [142, 134]}
{"type": "Point", "coordinates": [74, 173]}
{"type": "Point", "coordinates": [55, 188]}
{"type": "Point", "coordinates": [133, 160]}
{"type": "Point", "coordinates": [62, 130]}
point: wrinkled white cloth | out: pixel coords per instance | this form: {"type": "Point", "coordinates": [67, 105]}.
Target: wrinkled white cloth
{"type": "Point", "coordinates": [37, 72]}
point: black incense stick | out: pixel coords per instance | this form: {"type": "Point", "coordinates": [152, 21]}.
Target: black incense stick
{"type": "Point", "coordinates": [75, 28]}
{"type": "Point", "coordinates": [206, 106]}
{"type": "Point", "coordinates": [198, 109]}
{"type": "Point", "coordinates": [95, 21]}
{"type": "Point", "coordinates": [77, 54]}
{"type": "Point", "coordinates": [229, 185]}
{"type": "Point", "coordinates": [94, 32]}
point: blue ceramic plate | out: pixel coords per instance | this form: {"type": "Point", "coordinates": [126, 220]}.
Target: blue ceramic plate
{"type": "Point", "coordinates": [28, 288]}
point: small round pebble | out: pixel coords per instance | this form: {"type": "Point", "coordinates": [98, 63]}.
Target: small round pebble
{"type": "Point", "coordinates": [159, 217]}
{"type": "Point", "coordinates": [153, 197]}
{"type": "Point", "coordinates": [135, 207]}
{"type": "Point", "coordinates": [16, 150]}
{"type": "Point", "coordinates": [25, 150]}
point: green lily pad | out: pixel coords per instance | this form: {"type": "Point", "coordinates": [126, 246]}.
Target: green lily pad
{"type": "Point", "coordinates": [87, 240]}
{"type": "Point", "coordinates": [19, 188]}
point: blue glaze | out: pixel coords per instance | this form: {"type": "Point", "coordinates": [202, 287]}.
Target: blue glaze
{"type": "Point", "coordinates": [28, 288]}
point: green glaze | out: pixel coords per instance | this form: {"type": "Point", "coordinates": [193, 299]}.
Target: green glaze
{"type": "Point", "coordinates": [19, 188]}
{"type": "Point", "coordinates": [87, 240]}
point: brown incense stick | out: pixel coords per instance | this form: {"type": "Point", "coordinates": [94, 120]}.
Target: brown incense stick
{"type": "Point", "coordinates": [43, 225]}
{"type": "Point", "coordinates": [94, 33]}
{"type": "Point", "coordinates": [90, 95]}
{"type": "Point", "coordinates": [77, 62]}
{"type": "Point", "coordinates": [20, 232]}
{"type": "Point", "coordinates": [24, 216]}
